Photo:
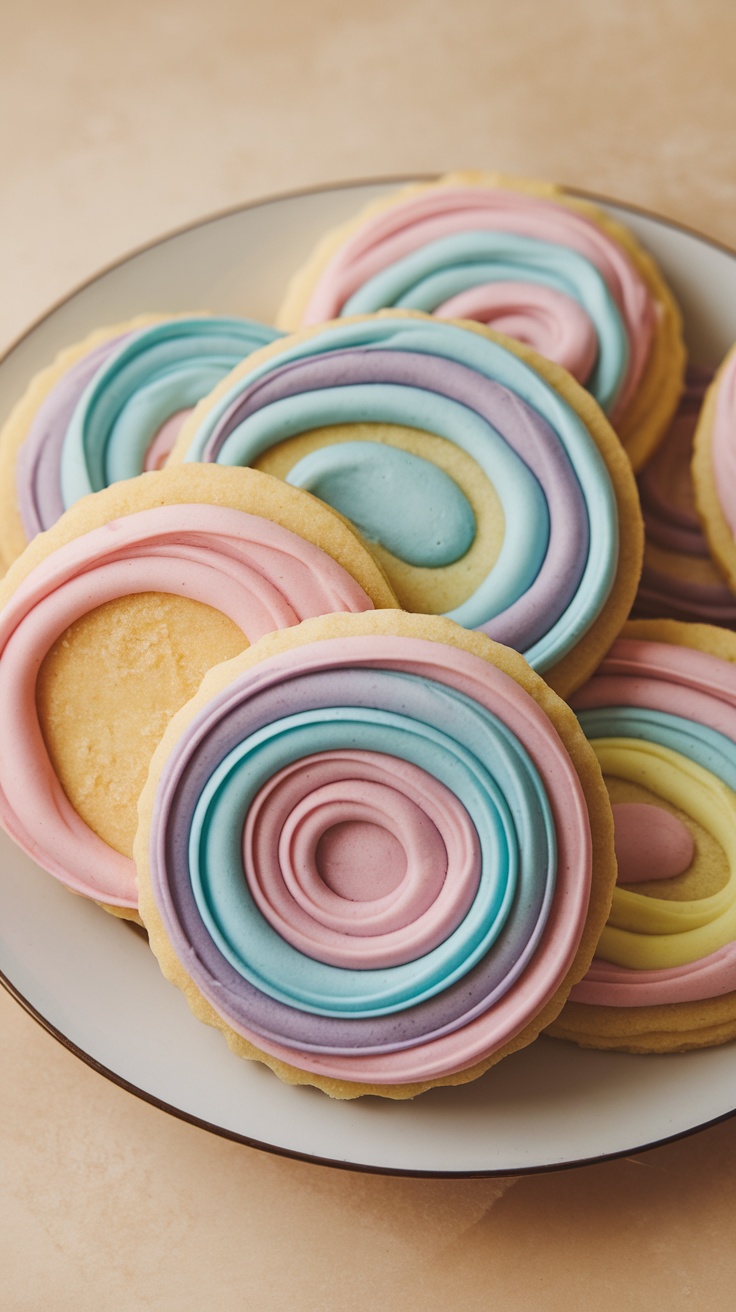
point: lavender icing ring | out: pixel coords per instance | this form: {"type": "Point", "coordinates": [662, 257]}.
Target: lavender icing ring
{"type": "Point", "coordinates": [230, 717]}
{"type": "Point", "coordinates": [38, 466]}
{"type": "Point", "coordinates": [446, 379]}
{"type": "Point", "coordinates": [98, 422]}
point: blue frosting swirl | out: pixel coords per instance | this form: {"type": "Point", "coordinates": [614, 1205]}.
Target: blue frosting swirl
{"type": "Point", "coordinates": [156, 372]}
{"type": "Point", "coordinates": [286, 996]}
{"type": "Point", "coordinates": [559, 556]}
{"type": "Point", "coordinates": [432, 274]}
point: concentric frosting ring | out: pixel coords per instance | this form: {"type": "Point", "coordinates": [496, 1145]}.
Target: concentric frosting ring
{"type": "Point", "coordinates": [299, 807]}
{"type": "Point", "coordinates": [345, 705]}
{"type": "Point", "coordinates": [524, 258]}
{"type": "Point", "coordinates": [678, 579]}
{"type": "Point", "coordinates": [259, 574]}
{"type": "Point", "coordinates": [117, 409]}
{"type": "Point", "coordinates": [656, 951]}
{"type": "Point", "coordinates": [560, 552]}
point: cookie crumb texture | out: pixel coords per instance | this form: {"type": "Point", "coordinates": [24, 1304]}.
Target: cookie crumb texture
{"type": "Point", "coordinates": [109, 686]}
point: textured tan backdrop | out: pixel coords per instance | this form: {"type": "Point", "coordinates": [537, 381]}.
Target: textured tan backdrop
{"type": "Point", "coordinates": [120, 122]}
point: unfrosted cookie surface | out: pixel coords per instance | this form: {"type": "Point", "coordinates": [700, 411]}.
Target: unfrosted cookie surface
{"type": "Point", "coordinates": [489, 483]}
{"type": "Point", "coordinates": [108, 623]}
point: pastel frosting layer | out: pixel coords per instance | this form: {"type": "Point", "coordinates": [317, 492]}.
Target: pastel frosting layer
{"type": "Point", "coordinates": [559, 553]}
{"type": "Point", "coordinates": [118, 409]}
{"type": "Point", "coordinates": [260, 575]}
{"type": "Point", "coordinates": [529, 266]}
{"type": "Point", "coordinates": [342, 751]}
{"type": "Point", "coordinates": [655, 950]}
{"type": "Point", "coordinates": [678, 578]}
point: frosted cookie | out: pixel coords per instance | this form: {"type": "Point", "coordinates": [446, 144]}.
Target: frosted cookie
{"type": "Point", "coordinates": [108, 408]}
{"type": "Point", "coordinates": [110, 619]}
{"type": "Point", "coordinates": [714, 468]}
{"type": "Point", "coordinates": [679, 580]}
{"type": "Point", "coordinates": [488, 483]}
{"type": "Point", "coordinates": [660, 715]}
{"type": "Point", "coordinates": [375, 851]}
{"type": "Point", "coordinates": [527, 258]}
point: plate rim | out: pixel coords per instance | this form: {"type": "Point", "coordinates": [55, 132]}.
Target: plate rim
{"type": "Point", "coordinates": [153, 1100]}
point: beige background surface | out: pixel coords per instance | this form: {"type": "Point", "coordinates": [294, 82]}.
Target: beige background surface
{"type": "Point", "coordinates": [120, 122]}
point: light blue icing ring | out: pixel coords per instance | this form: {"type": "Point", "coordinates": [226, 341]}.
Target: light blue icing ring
{"type": "Point", "coordinates": [432, 274]}
{"type": "Point", "coordinates": [524, 506]}
{"type": "Point", "coordinates": [707, 747]}
{"type": "Point", "coordinates": [466, 748]}
{"type": "Point", "coordinates": [225, 431]}
{"type": "Point", "coordinates": [156, 372]}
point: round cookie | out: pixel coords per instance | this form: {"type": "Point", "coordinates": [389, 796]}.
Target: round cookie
{"type": "Point", "coordinates": [527, 258]}
{"type": "Point", "coordinates": [661, 717]}
{"type": "Point", "coordinates": [108, 408]}
{"type": "Point", "coordinates": [713, 468]}
{"type": "Point", "coordinates": [109, 620]}
{"type": "Point", "coordinates": [679, 580]}
{"type": "Point", "coordinates": [488, 483]}
{"type": "Point", "coordinates": [375, 851]}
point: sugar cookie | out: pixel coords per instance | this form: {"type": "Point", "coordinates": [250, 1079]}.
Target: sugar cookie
{"type": "Point", "coordinates": [110, 619]}
{"type": "Point", "coordinates": [661, 717]}
{"type": "Point", "coordinates": [527, 258]}
{"type": "Point", "coordinates": [106, 409]}
{"type": "Point", "coordinates": [375, 851]}
{"type": "Point", "coordinates": [714, 467]}
{"type": "Point", "coordinates": [490, 485]}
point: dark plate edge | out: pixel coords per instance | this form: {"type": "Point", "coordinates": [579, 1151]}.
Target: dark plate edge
{"type": "Point", "coordinates": [336, 1163]}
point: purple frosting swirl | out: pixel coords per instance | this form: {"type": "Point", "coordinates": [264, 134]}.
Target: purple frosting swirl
{"type": "Point", "coordinates": [672, 524]}
{"type": "Point", "coordinates": [37, 470]}
{"type": "Point", "coordinates": [532, 615]}
{"type": "Point", "coordinates": [228, 719]}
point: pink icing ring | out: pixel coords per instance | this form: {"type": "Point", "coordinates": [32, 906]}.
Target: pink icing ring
{"type": "Point", "coordinates": [443, 211]}
{"type": "Point", "coordinates": [491, 687]}
{"type": "Point", "coordinates": [644, 674]}
{"type": "Point", "coordinates": [429, 901]}
{"type": "Point", "coordinates": [551, 323]}
{"type": "Point", "coordinates": [164, 440]}
{"type": "Point", "coordinates": [608, 985]}
{"type": "Point", "coordinates": [213, 554]}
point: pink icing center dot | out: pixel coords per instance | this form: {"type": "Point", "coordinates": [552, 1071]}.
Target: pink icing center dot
{"type": "Point", "coordinates": [360, 861]}
{"type": "Point", "coordinates": [650, 843]}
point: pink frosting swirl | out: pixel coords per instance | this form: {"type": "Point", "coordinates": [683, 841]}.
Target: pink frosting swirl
{"type": "Point", "coordinates": [260, 575]}
{"type": "Point", "coordinates": [446, 211]}
{"type": "Point", "coordinates": [304, 802]}
{"type": "Point", "coordinates": [661, 676]}
{"type": "Point", "coordinates": [550, 322]}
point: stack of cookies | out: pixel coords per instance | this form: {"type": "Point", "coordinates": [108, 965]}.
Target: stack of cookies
{"type": "Point", "coordinates": [316, 656]}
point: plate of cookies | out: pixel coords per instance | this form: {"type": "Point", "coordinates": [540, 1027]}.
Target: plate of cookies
{"type": "Point", "coordinates": [368, 676]}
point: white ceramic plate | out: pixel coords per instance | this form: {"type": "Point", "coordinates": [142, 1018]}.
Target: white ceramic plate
{"type": "Point", "coordinates": [92, 981]}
